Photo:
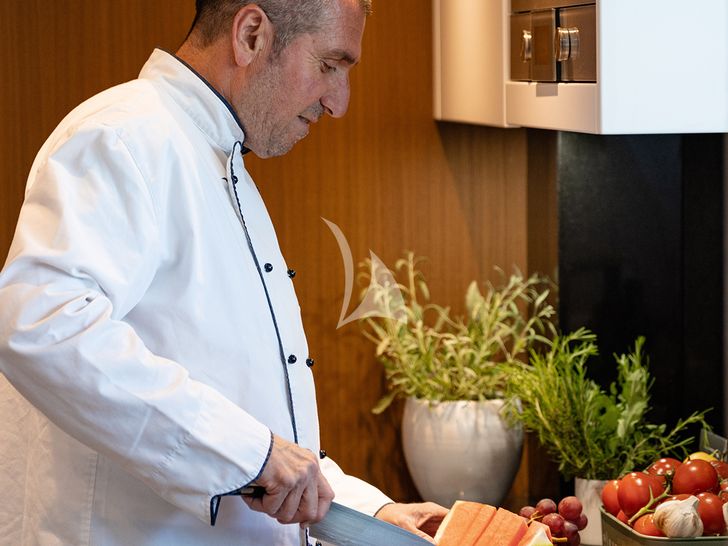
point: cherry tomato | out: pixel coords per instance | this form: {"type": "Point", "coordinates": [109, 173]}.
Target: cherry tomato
{"type": "Point", "coordinates": [710, 509]}
{"type": "Point", "coordinates": [634, 491]}
{"type": "Point", "coordinates": [695, 476]}
{"type": "Point", "coordinates": [609, 497]}
{"type": "Point", "coordinates": [621, 517]}
{"type": "Point", "coordinates": [721, 467]}
{"type": "Point", "coordinates": [723, 493]}
{"type": "Point", "coordinates": [681, 496]}
{"type": "Point", "coordinates": [645, 526]}
{"type": "Point", "coordinates": [663, 466]}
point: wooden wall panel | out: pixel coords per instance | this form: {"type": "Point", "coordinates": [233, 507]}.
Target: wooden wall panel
{"type": "Point", "coordinates": [56, 54]}
{"type": "Point", "coordinates": [387, 174]}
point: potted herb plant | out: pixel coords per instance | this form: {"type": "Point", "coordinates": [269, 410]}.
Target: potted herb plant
{"type": "Point", "coordinates": [592, 434]}
{"type": "Point", "coordinates": [453, 373]}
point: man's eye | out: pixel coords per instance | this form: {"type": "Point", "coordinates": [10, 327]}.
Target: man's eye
{"type": "Point", "coordinates": [326, 67]}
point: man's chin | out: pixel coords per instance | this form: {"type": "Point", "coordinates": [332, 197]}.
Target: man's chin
{"type": "Point", "coordinates": [276, 149]}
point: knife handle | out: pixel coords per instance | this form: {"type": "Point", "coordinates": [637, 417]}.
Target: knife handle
{"type": "Point", "coordinates": [254, 491]}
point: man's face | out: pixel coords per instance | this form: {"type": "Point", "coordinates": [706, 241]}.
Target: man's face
{"type": "Point", "coordinates": [309, 78]}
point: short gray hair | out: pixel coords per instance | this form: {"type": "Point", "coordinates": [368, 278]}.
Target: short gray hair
{"type": "Point", "coordinates": [290, 18]}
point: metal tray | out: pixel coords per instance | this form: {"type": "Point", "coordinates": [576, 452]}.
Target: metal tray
{"type": "Point", "coordinates": [616, 533]}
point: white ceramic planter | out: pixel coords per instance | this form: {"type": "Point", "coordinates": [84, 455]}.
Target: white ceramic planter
{"type": "Point", "coordinates": [460, 450]}
{"type": "Point", "coordinates": [589, 492]}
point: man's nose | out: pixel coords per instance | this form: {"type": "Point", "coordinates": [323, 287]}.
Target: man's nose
{"type": "Point", "coordinates": [336, 101]}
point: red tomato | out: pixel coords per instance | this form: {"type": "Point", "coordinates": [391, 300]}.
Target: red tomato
{"type": "Point", "coordinates": [723, 493]}
{"type": "Point", "coordinates": [634, 491]}
{"type": "Point", "coordinates": [645, 526]}
{"type": "Point", "coordinates": [695, 476]}
{"type": "Point", "coordinates": [710, 509]}
{"type": "Point", "coordinates": [663, 466]}
{"type": "Point", "coordinates": [721, 467]}
{"type": "Point", "coordinates": [681, 496]}
{"type": "Point", "coordinates": [621, 517]}
{"type": "Point", "coordinates": [609, 497]}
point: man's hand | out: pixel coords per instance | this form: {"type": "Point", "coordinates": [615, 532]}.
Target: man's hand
{"type": "Point", "coordinates": [422, 518]}
{"type": "Point", "coordinates": [295, 489]}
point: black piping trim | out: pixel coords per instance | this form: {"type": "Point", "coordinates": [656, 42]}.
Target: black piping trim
{"type": "Point", "coordinates": [216, 499]}
{"type": "Point", "coordinates": [380, 508]}
{"type": "Point", "coordinates": [267, 297]}
{"type": "Point", "coordinates": [227, 105]}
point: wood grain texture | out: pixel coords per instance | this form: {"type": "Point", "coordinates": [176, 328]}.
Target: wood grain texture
{"type": "Point", "coordinates": [56, 54]}
{"type": "Point", "coordinates": [387, 174]}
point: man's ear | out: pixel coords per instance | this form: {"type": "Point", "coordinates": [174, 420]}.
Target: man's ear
{"type": "Point", "coordinates": [252, 34]}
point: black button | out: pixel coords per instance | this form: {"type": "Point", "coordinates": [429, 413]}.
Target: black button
{"type": "Point", "coordinates": [309, 362]}
{"type": "Point", "coordinates": [268, 268]}
{"type": "Point", "coordinates": [235, 179]}
{"type": "Point", "coordinates": [291, 273]}
{"type": "Point", "coordinates": [322, 453]}
{"type": "Point", "coordinates": [292, 359]}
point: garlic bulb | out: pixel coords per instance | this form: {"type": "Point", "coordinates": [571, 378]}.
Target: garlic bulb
{"type": "Point", "coordinates": [679, 518]}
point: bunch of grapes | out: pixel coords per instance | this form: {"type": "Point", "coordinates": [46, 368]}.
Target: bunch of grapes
{"type": "Point", "coordinates": [565, 519]}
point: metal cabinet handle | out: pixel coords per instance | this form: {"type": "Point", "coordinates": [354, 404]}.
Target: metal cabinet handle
{"type": "Point", "coordinates": [526, 51]}
{"type": "Point", "coordinates": [566, 43]}
{"type": "Point", "coordinates": [573, 43]}
{"type": "Point", "coordinates": [561, 46]}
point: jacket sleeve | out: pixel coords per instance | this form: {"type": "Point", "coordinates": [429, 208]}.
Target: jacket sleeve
{"type": "Point", "coordinates": [85, 250]}
{"type": "Point", "coordinates": [351, 491]}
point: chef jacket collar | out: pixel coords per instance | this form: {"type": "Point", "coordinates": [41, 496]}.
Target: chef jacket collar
{"type": "Point", "coordinates": [200, 100]}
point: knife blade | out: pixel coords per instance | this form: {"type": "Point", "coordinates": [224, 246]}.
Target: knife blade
{"type": "Point", "coordinates": [344, 526]}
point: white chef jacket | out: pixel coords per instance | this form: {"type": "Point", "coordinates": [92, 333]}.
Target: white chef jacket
{"type": "Point", "coordinates": [150, 336]}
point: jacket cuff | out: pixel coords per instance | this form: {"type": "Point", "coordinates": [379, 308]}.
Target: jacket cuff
{"type": "Point", "coordinates": [215, 500]}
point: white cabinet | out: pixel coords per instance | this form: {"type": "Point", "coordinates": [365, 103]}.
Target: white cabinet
{"type": "Point", "coordinates": [470, 60]}
{"type": "Point", "coordinates": [662, 67]}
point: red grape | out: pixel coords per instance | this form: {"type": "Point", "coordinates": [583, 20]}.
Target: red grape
{"type": "Point", "coordinates": [555, 522]}
{"type": "Point", "coordinates": [570, 508]}
{"type": "Point", "coordinates": [581, 522]}
{"type": "Point", "coordinates": [527, 512]}
{"type": "Point", "coordinates": [571, 532]}
{"type": "Point", "coordinates": [546, 506]}
{"type": "Point", "coordinates": [564, 520]}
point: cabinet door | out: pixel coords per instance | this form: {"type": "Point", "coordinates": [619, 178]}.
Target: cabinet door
{"type": "Point", "coordinates": [543, 63]}
{"type": "Point", "coordinates": [580, 28]}
{"type": "Point", "coordinates": [521, 50]}
{"type": "Point", "coordinates": [470, 60]}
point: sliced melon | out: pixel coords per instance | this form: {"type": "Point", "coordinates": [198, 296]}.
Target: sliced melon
{"type": "Point", "coordinates": [538, 534]}
{"type": "Point", "coordinates": [456, 523]}
{"type": "Point", "coordinates": [505, 529]}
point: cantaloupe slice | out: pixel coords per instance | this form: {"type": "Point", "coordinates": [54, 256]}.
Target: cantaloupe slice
{"type": "Point", "coordinates": [456, 523]}
{"type": "Point", "coordinates": [538, 534]}
{"type": "Point", "coordinates": [505, 529]}
{"type": "Point", "coordinates": [478, 525]}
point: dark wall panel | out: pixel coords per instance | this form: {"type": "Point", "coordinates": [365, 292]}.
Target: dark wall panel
{"type": "Point", "coordinates": [640, 253]}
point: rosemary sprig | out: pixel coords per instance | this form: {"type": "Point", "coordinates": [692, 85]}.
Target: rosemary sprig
{"type": "Point", "coordinates": [588, 432]}
{"type": "Point", "coordinates": [434, 356]}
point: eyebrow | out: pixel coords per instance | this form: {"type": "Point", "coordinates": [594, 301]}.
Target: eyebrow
{"type": "Point", "coordinates": [342, 55]}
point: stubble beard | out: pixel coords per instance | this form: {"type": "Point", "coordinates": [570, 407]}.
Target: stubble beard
{"type": "Point", "coordinates": [263, 101]}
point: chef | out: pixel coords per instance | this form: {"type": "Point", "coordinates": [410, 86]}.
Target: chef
{"type": "Point", "coordinates": [151, 343]}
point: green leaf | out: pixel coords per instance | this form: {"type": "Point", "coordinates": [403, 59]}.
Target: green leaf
{"type": "Point", "coordinates": [384, 402]}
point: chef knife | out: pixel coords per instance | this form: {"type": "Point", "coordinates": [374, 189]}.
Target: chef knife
{"type": "Point", "coordinates": [344, 526]}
